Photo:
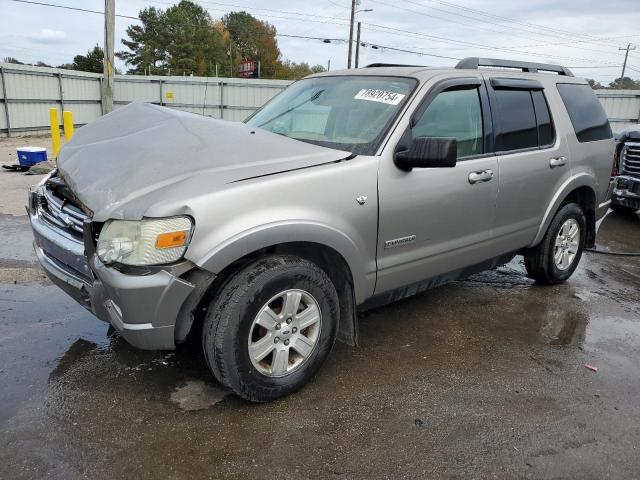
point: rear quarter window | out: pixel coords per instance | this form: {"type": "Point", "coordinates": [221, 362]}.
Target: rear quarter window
{"type": "Point", "coordinates": [546, 132]}
{"type": "Point", "coordinates": [589, 120]}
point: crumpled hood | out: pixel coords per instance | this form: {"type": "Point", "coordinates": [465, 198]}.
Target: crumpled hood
{"type": "Point", "coordinates": [117, 161]}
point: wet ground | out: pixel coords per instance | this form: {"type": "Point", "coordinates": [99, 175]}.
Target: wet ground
{"type": "Point", "coordinates": [481, 378]}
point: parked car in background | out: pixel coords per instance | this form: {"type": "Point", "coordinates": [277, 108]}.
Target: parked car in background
{"type": "Point", "coordinates": [626, 194]}
{"type": "Point", "coordinates": [349, 190]}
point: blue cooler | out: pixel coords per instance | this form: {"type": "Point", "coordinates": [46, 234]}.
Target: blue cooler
{"type": "Point", "coordinates": [28, 156]}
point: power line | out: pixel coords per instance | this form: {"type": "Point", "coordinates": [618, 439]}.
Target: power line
{"type": "Point", "coordinates": [593, 66]}
{"type": "Point", "coordinates": [472, 25]}
{"type": "Point", "coordinates": [310, 19]}
{"type": "Point", "coordinates": [557, 32]}
{"type": "Point", "coordinates": [235, 5]}
{"type": "Point", "coordinates": [85, 10]}
{"type": "Point", "coordinates": [398, 31]}
{"type": "Point", "coordinates": [386, 47]}
{"type": "Point", "coordinates": [70, 8]}
{"type": "Point", "coordinates": [342, 11]}
{"type": "Point", "coordinates": [375, 28]}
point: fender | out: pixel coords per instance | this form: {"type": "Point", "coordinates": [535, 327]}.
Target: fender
{"type": "Point", "coordinates": [271, 234]}
{"type": "Point", "coordinates": [575, 181]}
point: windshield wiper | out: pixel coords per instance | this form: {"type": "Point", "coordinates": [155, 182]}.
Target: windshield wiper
{"type": "Point", "coordinates": [310, 99]}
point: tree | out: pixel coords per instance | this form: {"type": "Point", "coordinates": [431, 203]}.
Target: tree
{"type": "Point", "coordinates": [594, 84]}
{"type": "Point", "coordinates": [253, 39]}
{"type": "Point", "coordinates": [625, 83]}
{"type": "Point", "coordinates": [12, 60]}
{"type": "Point", "coordinates": [91, 62]}
{"type": "Point", "coordinates": [194, 46]}
{"type": "Point", "coordinates": [147, 43]}
{"type": "Point", "coordinates": [180, 40]}
{"type": "Point", "coordinates": [292, 71]}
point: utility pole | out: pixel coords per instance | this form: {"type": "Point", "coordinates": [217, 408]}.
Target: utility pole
{"type": "Point", "coordinates": [107, 64]}
{"type": "Point", "coordinates": [329, 65]}
{"type": "Point", "coordinates": [358, 45]}
{"type": "Point", "coordinates": [626, 55]}
{"type": "Point", "coordinates": [353, 15]}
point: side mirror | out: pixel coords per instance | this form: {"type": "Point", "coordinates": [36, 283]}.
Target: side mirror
{"type": "Point", "coordinates": [428, 152]}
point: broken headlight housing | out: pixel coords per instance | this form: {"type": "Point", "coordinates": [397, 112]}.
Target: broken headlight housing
{"type": "Point", "coordinates": [150, 241]}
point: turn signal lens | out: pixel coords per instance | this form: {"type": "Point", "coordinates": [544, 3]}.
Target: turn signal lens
{"type": "Point", "coordinates": [171, 239]}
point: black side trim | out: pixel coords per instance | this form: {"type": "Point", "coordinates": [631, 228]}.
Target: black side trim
{"type": "Point", "coordinates": [415, 288]}
{"type": "Point", "coordinates": [189, 311]}
{"type": "Point", "coordinates": [515, 84]}
{"type": "Point", "coordinates": [382, 65]}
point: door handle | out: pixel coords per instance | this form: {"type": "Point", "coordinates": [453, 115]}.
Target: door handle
{"type": "Point", "coordinates": [557, 162]}
{"type": "Point", "coordinates": [481, 176]}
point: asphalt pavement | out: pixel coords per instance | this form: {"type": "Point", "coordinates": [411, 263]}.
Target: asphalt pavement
{"type": "Point", "coordinates": [483, 378]}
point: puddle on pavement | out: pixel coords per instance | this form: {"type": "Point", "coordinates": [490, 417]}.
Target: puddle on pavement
{"type": "Point", "coordinates": [47, 341]}
{"type": "Point", "coordinates": [562, 327]}
{"type": "Point", "coordinates": [38, 324]}
{"type": "Point", "coordinates": [197, 395]}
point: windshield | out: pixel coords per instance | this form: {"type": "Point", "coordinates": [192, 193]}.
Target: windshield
{"type": "Point", "coordinates": [344, 112]}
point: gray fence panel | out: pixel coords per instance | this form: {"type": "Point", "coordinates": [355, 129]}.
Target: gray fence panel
{"type": "Point", "coordinates": [31, 91]}
{"type": "Point", "coordinates": [75, 88]}
{"type": "Point", "coordinates": [132, 90]}
{"type": "Point", "coordinates": [622, 107]}
{"type": "Point", "coordinates": [30, 117]}
{"type": "Point", "coordinates": [30, 86]}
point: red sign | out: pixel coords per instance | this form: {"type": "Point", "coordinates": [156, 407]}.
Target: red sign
{"type": "Point", "coordinates": [248, 69]}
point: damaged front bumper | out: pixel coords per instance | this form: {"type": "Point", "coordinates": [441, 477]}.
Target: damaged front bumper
{"type": "Point", "coordinates": [627, 192]}
{"type": "Point", "coordinates": [143, 308]}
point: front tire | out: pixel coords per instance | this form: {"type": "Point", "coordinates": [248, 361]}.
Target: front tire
{"type": "Point", "coordinates": [555, 259]}
{"type": "Point", "coordinates": [271, 327]}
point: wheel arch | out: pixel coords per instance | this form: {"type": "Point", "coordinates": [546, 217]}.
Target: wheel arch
{"type": "Point", "coordinates": [332, 261]}
{"type": "Point", "coordinates": [580, 189]}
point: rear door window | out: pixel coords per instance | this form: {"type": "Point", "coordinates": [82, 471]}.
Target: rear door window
{"type": "Point", "coordinates": [517, 119]}
{"type": "Point", "coordinates": [587, 115]}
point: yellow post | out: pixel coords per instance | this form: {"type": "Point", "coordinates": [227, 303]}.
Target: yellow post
{"type": "Point", "coordinates": [67, 121]}
{"type": "Point", "coordinates": [55, 130]}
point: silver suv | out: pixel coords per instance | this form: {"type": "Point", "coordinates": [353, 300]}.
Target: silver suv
{"type": "Point", "coordinates": [348, 190]}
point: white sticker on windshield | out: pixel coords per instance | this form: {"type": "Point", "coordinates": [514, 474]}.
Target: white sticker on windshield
{"type": "Point", "coordinates": [381, 96]}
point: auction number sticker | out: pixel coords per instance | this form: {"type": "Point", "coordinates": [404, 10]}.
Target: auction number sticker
{"type": "Point", "coordinates": [381, 96]}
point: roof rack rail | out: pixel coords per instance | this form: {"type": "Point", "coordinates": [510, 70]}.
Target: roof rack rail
{"type": "Point", "coordinates": [532, 67]}
{"type": "Point", "coordinates": [379, 65]}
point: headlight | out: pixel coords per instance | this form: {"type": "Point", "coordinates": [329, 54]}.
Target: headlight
{"type": "Point", "coordinates": [144, 242]}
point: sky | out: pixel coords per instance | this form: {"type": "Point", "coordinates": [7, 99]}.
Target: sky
{"type": "Point", "coordinates": [584, 35]}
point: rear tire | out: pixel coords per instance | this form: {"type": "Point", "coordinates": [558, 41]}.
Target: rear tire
{"type": "Point", "coordinates": [557, 256]}
{"type": "Point", "coordinates": [269, 306]}
{"type": "Point", "coordinates": [623, 209]}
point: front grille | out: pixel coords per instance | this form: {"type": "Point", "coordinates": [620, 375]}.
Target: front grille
{"type": "Point", "coordinates": [631, 159]}
{"type": "Point", "coordinates": [58, 207]}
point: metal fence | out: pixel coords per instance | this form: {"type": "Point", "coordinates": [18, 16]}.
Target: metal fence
{"type": "Point", "coordinates": [622, 107]}
{"type": "Point", "coordinates": [28, 92]}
